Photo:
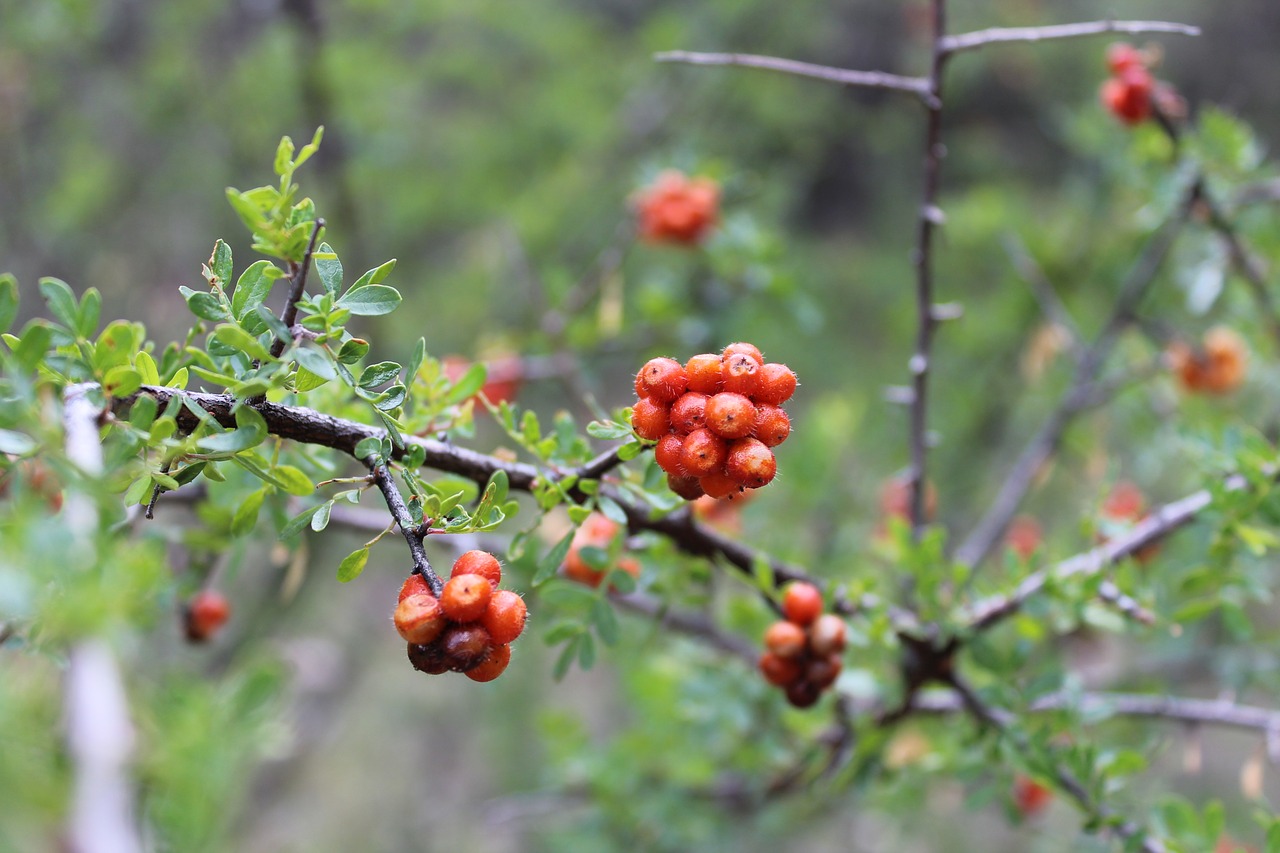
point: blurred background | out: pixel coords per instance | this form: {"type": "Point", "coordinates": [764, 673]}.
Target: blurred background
{"type": "Point", "coordinates": [492, 149]}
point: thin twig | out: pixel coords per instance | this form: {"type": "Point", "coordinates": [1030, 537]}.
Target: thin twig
{"type": "Point", "coordinates": [298, 287]}
{"type": "Point", "coordinates": [917, 86]}
{"type": "Point", "coordinates": [1004, 35]}
{"type": "Point", "coordinates": [688, 622]}
{"type": "Point", "coordinates": [413, 534]}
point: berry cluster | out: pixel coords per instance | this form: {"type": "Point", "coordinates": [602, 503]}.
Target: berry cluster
{"type": "Point", "coordinates": [469, 628]}
{"type": "Point", "coordinates": [676, 209]}
{"type": "Point", "coordinates": [803, 652]}
{"type": "Point", "coordinates": [596, 531]}
{"type": "Point", "coordinates": [715, 419]}
{"type": "Point", "coordinates": [1218, 366]}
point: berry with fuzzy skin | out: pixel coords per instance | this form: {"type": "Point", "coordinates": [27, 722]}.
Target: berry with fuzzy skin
{"type": "Point", "coordinates": [650, 420]}
{"type": "Point", "coordinates": [689, 412]}
{"type": "Point", "coordinates": [743, 348]}
{"type": "Point", "coordinates": [741, 374]}
{"type": "Point", "coordinates": [751, 463]}
{"type": "Point", "coordinates": [662, 380]}
{"type": "Point", "coordinates": [801, 603]}
{"type": "Point", "coordinates": [827, 635]}
{"type": "Point", "coordinates": [493, 666]}
{"type": "Point", "coordinates": [206, 612]}
{"type": "Point", "coordinates": [705, 372]}
{"type": "Point", "coordinates": [677, 209]}
{"type": "Point", "coordinates": [719, 485]}
{"type": "Point", "coordinates": [703, 453]}
{"type": "Point", "coordinates": [667, 454]}
{"type": "Point", "coordinates": [465, 597]}
{"type": "Point", "coordinates": [465, 646]}
{"type": "Point", "coordinates": [505, 617]}
{"type": "Point", "coordinates": [686, 487]}
{"type": "Point", "coordinates": [730, 415]}
{"type": "Point", "coordinates": [775, 384]}
{"type": "Point", "coordinates": [419, 618]}
{"type": "Point", "coordinates": [478, 563]}
{"type": "Point", "coordinates": [772, 425]}
{"type": "Point", "coordinates": [779, 671]}
{"type": "Point", "coordinates": [785, 639]}
{"type": "Point", "coordinates": [413, 585]}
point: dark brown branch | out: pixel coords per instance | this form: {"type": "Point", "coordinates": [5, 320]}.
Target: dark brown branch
{"type": "Point", "coordinates": [413, 533]}
{"type": "Point", "coordinates": [917, 86]}
{"type": "Point", "coordinates": [1005, 35]}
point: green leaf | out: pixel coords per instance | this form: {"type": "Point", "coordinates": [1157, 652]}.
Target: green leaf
{"type": "Point", "coordinates": [121, 381]}
{"type": "Point", "coordinates": [284, 156]}
{"type": "Point", "coordinates": [608, 430]}
{"type": "Point", "coordinates": [8, 300]}
{"type": "Point", "coordinates": [305, 380]}
{"type": "Point", "coordinates": [296, 524]}
{"type": "Point", "coordinates": [554, 558]}
{"type": "Point", "coordinates": [415, 361]}
{"type": "Point", "coordinates": [295, 482]}
{"type": "Point", "coordinates": [253, 287]}
{"type": "Point", "coordinates": [374, 275]}
{"type": "Point", "coordinates": [206, 306]}
{"type": "Point", "coordinates": [366, 447]}
{"type": "Point", "coordinates": [353, 564]}
{"type": "Point", "coordinates": [353, 350]}
{"type": "Point", "coordinates": [219, 266]}
{"type": "Point", "coordinates": [90, 313]}
{"type": "Point", "coordinates": [329, 268]}
{"type": "Point", "coordinates": [33, 344]}
{"type": "Point", "coordinates": [606, 621]}
{"type": "Point", "coordinates": [179, 379]}
{"type": "Point", "coordinates": [250, 430]}
{"type": "Point", "coordinates": [378, 374]}
{"type": "Point", "coordinates": [61, 301]}
{"type": "Point", "coordinates": [370, 300]}
{"type": "Point", "coordinates": [310, 148]}
{"type": "Point", "coordinates": [16, 442]}
{"type": "Point", "coordinates": [143, 412]}
{"type": "Point", "coordinates": [237, 338]}
{"type": "Point", "coordinates": [315, 361]}
{"type": "Point", "coordinates": [146, 367]}
{"type": "Point", "coordinates": [320, 520]}
{"type": "Point", "coordinates": [246, 517]}
{"type": "Point", "coordinates": [467, 385]}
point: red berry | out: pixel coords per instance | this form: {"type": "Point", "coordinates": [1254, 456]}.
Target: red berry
{"type": "Point", "coordinates": [772, 425]}
{"type": "Point", "coordinates": [667, 454]}
{"type": "Point", "coordinates": [730, 415]}
{"type": "Point", "coordinates": [689, 412]}
{"type": "Point", "coordinates": [775, 384]}
{"type": "Point", "coordinates": [686, 487]}
{"type": "Point", "coordinates": [741, 374]}
{"type": "Point", "coordinates": [785, 639]}
{"type": "Point", "coordinates": [419, 618]}
{"type": "Point", "coordinates": [478, 563]}
{"type": "Point", "coordinates": [827, 635]}
{"type": "Point", "coordinates": [662, 380]}
{"type": "Point", "coordinates": [650, 420]}
{"type": "Point", "coordinates": [705, 373]}
{"type": "Point", "coordinates": [466, 597]}
{"type": "Point", "coordinates": [777, 670]}
{"type": "Point", "coordinates": [1121, 56]}
{"type": "Point", "coordinates": [1030, 796]}
{"type": "Point", "coordinates": [504, 618]}
{"type": "Point", "coordinates": [823, 671]}
{"type": "Point", "coordinates": [493, 666]}
{"type": "Point", "coordinates": [1128, 96]}
{"type": "Point", "coordinates": [803, 693]}
{"type": "Point", "coordinates": [751, 463]}
{"type": "Point", "coordinates": [801, 603]}
{"type": "Point", "coordinates": [744, 349]}
{"type": "Point", "coordinates": [703, 453]}
{"type": "Point", "coordinates": [207, 611]}
{"type": "Point", "coordinates": [465, 646]}
{"type": "Point", "coordinates": [413, 585]}
{"type": "Point", "coordinates": [718, 485]}
{"type": "Point", "coordinates": [677, 209]}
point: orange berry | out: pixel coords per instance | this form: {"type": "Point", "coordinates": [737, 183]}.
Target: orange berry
{"type": "Point", "coordinates": [1030, 796]}
{"type": "Point", "coordinates": [465, 646]}
{"type": "Point", "coordinates": [772, 425]}
{"type": "Point", "coordinates": [419, 618]}
{"type": "Point", "coordinates": [1218, 367]}
{"type": "Point", "coordinates": [705, 373]}
{"type": "Point", "coordinates": [667, 453]}
{"type": "Point", "coordinates": [505, 616]}
{"type": "Point", "coordinates": [730, 415]}
{"type": "Point", "coordinates": [493, 666]}
{"type": "Point", "coordinates": [751, 463]}
{"type": "Point", "coordinates": [741, 374]}
{"type": "Point", "coordinates": [777, 670]}
{"type": "Point", "coordinates": [719, 485]}
{"type": "Point", "coordinates": [1024, 536]}
{"type": "Point", "coordinates": [703, 453]}
{"type": "Point", "coordinates": [662, 380]}
{"type": "Point", "coordinates": [1125, 502]}
{"type": "Point", "coordinates": [785, 639]}
{"type": "Point", "coordinates": [206, 612]}
{"type": "Point", "coordinates": [689, 412]}
{"type": "Point", "coordinates": [827, 635]}
{"type": "Point", "coordinates": [597, 529]}
{"type": "Point", "coordinates": [478, 563]}
{"type": "Point", "coordinates": [465, 597]}
{"type": "Point", "coordinates": [650, 420]}
{"type": "Point", "coordinates": [775, 384]}
{"type": "Point", "coordinates": [741, 348]}
{"type": "Point", "coordinates": [676, 209]}
{"type": "Point", "coordinates": [413, 585]}
{"type": "Point", "coordinates": [801, 602]}
{"type": "Point", "coordinates": [686, 487]}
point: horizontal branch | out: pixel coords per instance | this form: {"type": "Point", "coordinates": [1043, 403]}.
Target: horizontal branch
{"type": "Point", "coordinates": [917, 86]}
{"type": "Point", "coordinates": [688, 622]}
{"type": "Point", "coordinates": [1005, 35]}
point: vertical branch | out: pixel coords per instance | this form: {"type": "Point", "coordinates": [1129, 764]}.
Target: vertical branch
{"type": "Point", "coordinates": [926, 319]}
{"type": "Point", "coordinates": [297, 287]}
{"type": "Point", "coordinates": [413, 533]}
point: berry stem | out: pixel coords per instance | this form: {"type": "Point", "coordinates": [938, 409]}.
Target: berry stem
{"type": "Point", "coordinates": [413, 533]}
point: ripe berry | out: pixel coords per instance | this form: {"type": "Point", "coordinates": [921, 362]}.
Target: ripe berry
{"type": "Point", "coordinates": [1024, 536]}
{"type": "Point", "coordinates": [827, 635]}
{"type": "Point", "coordinates": [686, 487]}
{"type": "Point", "coordinates": [1030, 796]}
{"type": "Point", "coordinates": [207, 611]}
{"type": "Point", "coordinates": [823, 671]}
{"type": "Point", "coordinates": [676, 209]}
{"type": "Point", "coordinates": [803, 693]}
{"type": "Point", "coordinates": [688, 412]}
{"type": "Point", "coordinates": [505, 617]}
{"type": "Point", "coordinates": [777, 670]}
{"type": "Point", "coordinates": [743, 349]}
{"type": "Point", "coordinates": [1128, 96]}
{"type": "Point", "coordinates": [719, 485]}
{"type": "Point", "coordinates": [741, 374]}
{"type": "Point", "coordinates": [419, 618]}
{"type": "Point", "coordinates": [730, 415]}
{"type": "Point", "coordinates": [703, 453]}
{"type": "Point", "coordinates": [750, 463]}
{"type": "Point", "coordinates": [1121, 56]}
{"type": "Point", "coordinates": [775, 384]}
{"type": "Point", "coordinates": [650, 420]}
{"type": "Point", "coordinates": [429, 658]}
{"type": "Point", "coordinates": [662, 380]}
{"type": "Point", "coordinates": [413, 585]}
{"type": "Point", "coordinates": [465, 646]}
{"type": "Point", "coordinates": [785, 639]}
{"type": "Point", "coordinates": [493, 666]}
{"type": "Point", "coordinates": [478, 563]}
{"type": "Point", "coordinates": [801, 603]}
{"type": "Point", "coordinates": [705, 373]}
{"type": "Point", "coordinates": [667, 453]}
{"type": "Point", "coordinates": [466, 597]}
{"type": "Point", "coordinates": [772, 425]}
{"type": "Point", "coordinates": [1219, 366]}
